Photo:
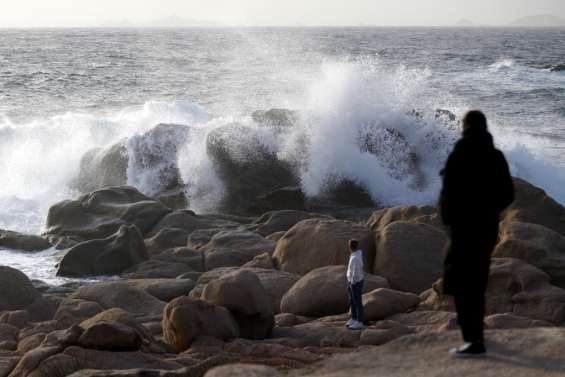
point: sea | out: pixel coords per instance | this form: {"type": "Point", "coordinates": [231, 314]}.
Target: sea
{"type": "Point", "coordinates": [66, 91]}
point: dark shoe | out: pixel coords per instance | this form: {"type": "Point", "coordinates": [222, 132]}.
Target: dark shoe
{"type": "Point", "coordinates": [475, 349]}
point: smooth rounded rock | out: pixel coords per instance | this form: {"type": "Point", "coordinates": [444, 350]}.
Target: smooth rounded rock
{"type": "Point", "coordinates": [242, 293]}
{"type": "Point", "coordinates": [410, 255]}
{"type": "Point", "coordinates": [185, 319]}
{"type": "Point", "coordinates": [315, 243]}
{"type": "Point", "coordinates": [383, 302]}
{"type": "Point", "coordinates": [16, 290]}
{"type": "Point", "coordinates": [323, 292]}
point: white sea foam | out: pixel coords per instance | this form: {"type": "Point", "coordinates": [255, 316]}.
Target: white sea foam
{"type": "Point", "coordinates": [39, 160]}
{"type": "Point", "coordinates": [502, 64]}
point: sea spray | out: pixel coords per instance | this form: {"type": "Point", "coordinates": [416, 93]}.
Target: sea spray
{"type": "Point", "coordinates": [360, 98]}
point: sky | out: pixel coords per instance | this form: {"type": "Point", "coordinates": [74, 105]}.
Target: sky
{"type": "Point", "coordinates": [73, 13]}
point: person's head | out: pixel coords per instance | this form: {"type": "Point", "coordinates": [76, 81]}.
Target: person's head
{"type": "Point", "coordinates": [475, 122]}
{"type": "Point", "coordinates": [353, 245]}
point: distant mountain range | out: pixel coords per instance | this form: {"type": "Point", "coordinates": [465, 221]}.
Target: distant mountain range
{"type": "Point", "coordinates": [172, 22]}
{"type": "Point", "coordinates": [530, 21]}
{"type": "Point", "coordinates": [544, 20]}
{"type": "Point", "coordinates": [180, 22]}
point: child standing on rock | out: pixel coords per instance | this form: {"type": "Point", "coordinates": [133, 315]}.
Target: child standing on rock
{"type": "Point", "coordinates": [355, 285]}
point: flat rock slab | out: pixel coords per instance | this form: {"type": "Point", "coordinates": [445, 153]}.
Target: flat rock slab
{"type": "Point", "coordinates": [512, 353]}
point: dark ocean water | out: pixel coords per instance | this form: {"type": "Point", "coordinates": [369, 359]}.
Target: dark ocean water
{"type": "Point", "coordinates": [48, 72]}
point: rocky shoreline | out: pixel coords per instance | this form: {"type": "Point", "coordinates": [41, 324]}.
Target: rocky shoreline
{"type": "Point", "coordinates": [203, 294]}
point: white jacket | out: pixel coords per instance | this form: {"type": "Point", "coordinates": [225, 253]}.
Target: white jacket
{"type": "Point", "coordinates": [355, 267]}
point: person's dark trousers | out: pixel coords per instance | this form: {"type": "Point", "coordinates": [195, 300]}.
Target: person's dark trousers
{"type": "Point", "coordinates": [466, 276]}
{"type": "Point", "coordinates": [356, 300]}
{"type": "Point", "coordinates": [470, 308]}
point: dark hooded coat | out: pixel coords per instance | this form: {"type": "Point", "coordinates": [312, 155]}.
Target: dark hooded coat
{"type": "Point", "coordinates": [477, 187]}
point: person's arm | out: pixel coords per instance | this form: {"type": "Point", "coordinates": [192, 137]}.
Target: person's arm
{"type": "Point", "coordinates": [449, 181]}
{"type": "Point", "coordinates": [358, 270]}
{"type": "Point", "coordinates": [348, 274]}
{"type": "Point", "coordinates": [506, 185]}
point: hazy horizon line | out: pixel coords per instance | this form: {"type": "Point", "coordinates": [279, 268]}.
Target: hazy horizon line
{"type": "Point", "coordinates": [230, 26]}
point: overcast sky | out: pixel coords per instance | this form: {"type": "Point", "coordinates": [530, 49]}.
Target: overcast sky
{"type": "Point", "coordinates": [67, 13]}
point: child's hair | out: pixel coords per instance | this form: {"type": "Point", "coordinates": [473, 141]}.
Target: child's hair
{"type": "Point", "coordinates": [353, 244]}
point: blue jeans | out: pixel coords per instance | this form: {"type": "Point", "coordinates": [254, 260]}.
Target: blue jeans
{"type": "Point", "coordinates": [355, 292]}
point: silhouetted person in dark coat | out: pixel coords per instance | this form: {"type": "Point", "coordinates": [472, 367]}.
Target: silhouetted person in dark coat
{"type": "Point", "coordinates": [477, 187]}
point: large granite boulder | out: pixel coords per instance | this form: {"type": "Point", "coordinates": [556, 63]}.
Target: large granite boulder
{"type": "Point", "coordinates": [185, 319]}
{"type": "Point", "coordinates": [150, 158]}
{"type": "Point", "coordinates": [533, 205]}
{"type": "Point", "coordinates": [162, 289]}
{"type": "Point", "coordinates": [276, 118]}
{"type": "Point", "coordinates": [417, 214]}
{"type": "Point", "coordinates": [166, 239]}
{"type": "Point", "coordinates": [535, 244]}
{"type": "Point", "coordinates": [22, 242]}
{"type": "Point", "coordinates": [323, 292]}
{"type": "Point", "coordinates": [54, 343]}
{"type": "Point", "coordinates": [190, 222]}
{"type": "Point", "coordinates": [234, 248]}
{"type": "Point", "coordinates": [264, 260]}
{"type": "Point", "coordinates": [153, 157]}
{"type": "Point", "coordinates": [515, 287]}
{"type": "Point", "coordinates": [17, 318]}
{"type": "Point", "coordinates": [383, 302]}
{"type": "Point", "coordinates": [193, 259]}
{"type": "Point", "coordinates": [77, 309]}
{"type": "Point", "coordinates": [16, 290]}
{"type": "Point", "coordinates": [112, 336]}
{"type": "Point", "coordinates": [122, 317]}
{"type": "Point", "coordinates": [247, 167]}
{"type": "Point", "coordinates": [117, 294]}
{"type": "Point", "coordinates": [276, 283]}
{"type": "Point", "coordinates": [278, 221]}
{"type": "Point", "coordinates": [103, 167]}
{"type": "Point", "coordinates": [315, 243]}
{"type": "Point", "coordinates": [157, 269]}
{"type": "Point", "coordinates": [214, 274]}
{"type": "Point", "coordinates": [108, 256]}
{"type": "Point", "coordinates": [410, 255]}
{"type": "Point", "coordinates": [100, 214]}
{"type": "Point", "coordinates": [242, 293]}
